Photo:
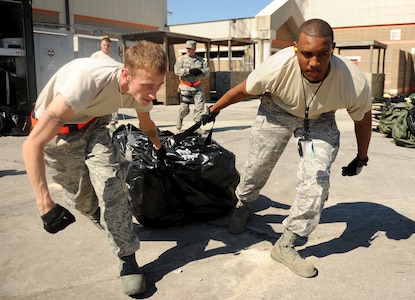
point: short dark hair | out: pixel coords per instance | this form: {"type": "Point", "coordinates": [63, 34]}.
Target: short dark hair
{"type": "Point", "coordinates": [107, 39]}
{"type": "Point", "coordinates": [316, 28]}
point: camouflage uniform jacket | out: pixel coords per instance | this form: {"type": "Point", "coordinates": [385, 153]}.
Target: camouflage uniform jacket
{"type": "Point", "coordinates": [182, 66]}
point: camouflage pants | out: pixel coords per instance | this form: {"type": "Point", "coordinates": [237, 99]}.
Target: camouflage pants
{"type": "Point", "coordinates": [85, 165]}
{"type": "Point", "coordinates": [271, 131]}
{"type": "Point", "coordinates": [195, 96]}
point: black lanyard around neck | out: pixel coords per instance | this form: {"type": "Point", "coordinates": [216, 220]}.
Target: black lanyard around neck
{"type": "Point", "coordinates": [307, 108]}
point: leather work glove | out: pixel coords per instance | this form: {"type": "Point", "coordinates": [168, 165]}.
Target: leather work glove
{"type": "Point", "coordinates": [354, 167]}
{"type": "Point", "coordinates": [208, 116]}
{"type": "Point", "coordinates": [58, 218]}
{"type": "Point", "coordinates": [195, 71]}
{"type": "Point", "coordinates": [159, 154]}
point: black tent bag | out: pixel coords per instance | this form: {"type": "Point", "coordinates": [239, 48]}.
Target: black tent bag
{"type": "Point", "coordinates": [196, 180]}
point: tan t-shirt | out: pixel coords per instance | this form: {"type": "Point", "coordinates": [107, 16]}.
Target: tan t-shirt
{"type": "Point", "coordinates": [91, 87]}
{"type": "Point", "coordinates": [100, 54]}
{"type": "Point", "coordinates": [344, 87]}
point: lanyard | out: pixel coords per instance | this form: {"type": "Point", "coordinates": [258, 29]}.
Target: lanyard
{"type": "Point", "coordinates": [307, 108]}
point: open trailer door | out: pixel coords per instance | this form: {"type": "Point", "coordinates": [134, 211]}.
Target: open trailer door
{"type": "Point", "coordinates": [17, 67]}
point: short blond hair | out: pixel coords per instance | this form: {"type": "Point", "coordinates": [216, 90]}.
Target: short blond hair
{"type": "Point", "coordinates": [147, 56]}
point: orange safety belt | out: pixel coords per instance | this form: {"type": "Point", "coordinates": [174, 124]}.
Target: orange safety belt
{"type": "Point", "coordinates": [65, 129]}
{"type": "Point", "coordinates": [190, 83]}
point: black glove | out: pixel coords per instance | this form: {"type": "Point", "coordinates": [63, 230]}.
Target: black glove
{"type": "Point", "coordinates": [159, 154]}
{"type": "Point", "coordinates": [57, 219]}
{"type": "Point", "coordinates": [208, 116]}
{"type": "Point", "coordinates": [195, 71]}
{"type": "Point", "coordinates": [354, 167]}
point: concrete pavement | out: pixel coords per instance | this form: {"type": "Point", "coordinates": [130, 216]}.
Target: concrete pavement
{"type": "Point", "coordinates": [364, 247]}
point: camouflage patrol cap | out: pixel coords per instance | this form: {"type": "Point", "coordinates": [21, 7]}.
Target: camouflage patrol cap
{"type": "Point", "coordinates": [191, 44]}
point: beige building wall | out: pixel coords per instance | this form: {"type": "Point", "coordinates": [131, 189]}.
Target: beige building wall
{"type": "Point", "coordinates": [359, 12]}
{"type": "Point", "coordinates": [103, 17]}
{"type": "Point", "coordinates": [242, 28]}
{"type": "Point", "coordinates": [395, 82]}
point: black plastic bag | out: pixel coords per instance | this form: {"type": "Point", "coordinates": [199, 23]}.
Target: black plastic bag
{"type": "Point", "coordinates": [196, 181]}
{"type": "Point", "coordinates": [14, 122]}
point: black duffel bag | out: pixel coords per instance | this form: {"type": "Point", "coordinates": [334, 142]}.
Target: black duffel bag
{"type": "Point", "coordinates": [196, 180]}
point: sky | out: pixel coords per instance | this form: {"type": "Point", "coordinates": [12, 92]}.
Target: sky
{"type": "Point", "coordinates": [188, 11]}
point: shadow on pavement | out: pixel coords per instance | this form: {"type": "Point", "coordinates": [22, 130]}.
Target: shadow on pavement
{"type": "Point", "coordinates": [193, 238]}
{"type": "Point", "coordinates": [11, 173]}
{"type": "Point", "coordinates": [365, 222]}
{"type": "Point", "coordinates": [226, 128]}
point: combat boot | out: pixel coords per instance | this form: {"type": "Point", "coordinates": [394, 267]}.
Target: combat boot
{"type": "Point", "coordinates": [132, 278]}
{"type": "Point", "coordinates": [239, 217]}
{"type": "Point", "coordinates": [179, 123]}
{"type": "Point", "coordinates": [284, 252]}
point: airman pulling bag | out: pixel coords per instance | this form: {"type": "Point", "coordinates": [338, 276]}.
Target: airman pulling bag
{"type": "Point", "coordinates": [195, 181]}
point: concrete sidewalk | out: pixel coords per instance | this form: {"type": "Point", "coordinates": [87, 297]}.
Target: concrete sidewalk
{"type": "Point", "coordinates": [364, 247]}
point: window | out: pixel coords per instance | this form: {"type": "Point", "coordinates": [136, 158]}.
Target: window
{"type": "Point", "coordinates": [395, 34]}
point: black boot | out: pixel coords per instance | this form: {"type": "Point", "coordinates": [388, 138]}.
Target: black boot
{"type": "Point", "coordinates": [237, 222]}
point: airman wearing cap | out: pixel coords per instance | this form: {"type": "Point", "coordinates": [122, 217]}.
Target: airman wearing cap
{"type": "Point", "coordinates": [190, 44]}
{"type": "Point", "coordinates": [190, 68]}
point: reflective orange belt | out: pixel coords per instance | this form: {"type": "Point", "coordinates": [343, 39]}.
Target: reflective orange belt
{"type": "Point", "coordinates": [65, 129]}
{"type": "Point", "coordinates": [190, 83]}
